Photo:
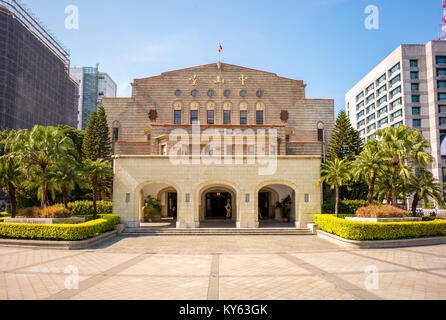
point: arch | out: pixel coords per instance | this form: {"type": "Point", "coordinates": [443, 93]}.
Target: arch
{"type": "Point", "coordinates": [294, 193]}
{"type": "Point", "coordinates": [116, 124]}
{"type": "Point", "coordinates": [204, 187]}
{"type": "Point", "coordinates": [275, 195]}
{"type": "Point", "coordinates": [140, 197]}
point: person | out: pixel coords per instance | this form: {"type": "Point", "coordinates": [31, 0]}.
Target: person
{"type": "Point", "coordinates": [228, 208]}
{"type": "Point", "coordinates": [174, 212]}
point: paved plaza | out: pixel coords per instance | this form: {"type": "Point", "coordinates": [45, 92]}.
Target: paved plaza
{"type": "Point", "coordinates": [223, 267]}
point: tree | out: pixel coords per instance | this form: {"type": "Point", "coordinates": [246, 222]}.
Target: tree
{"type": "Point", "coordinates": [97, 171]}
{"type": "Point", "coordinates": [335, 173]}
{"type": "Point", "coordinates": [368, 165]}
{"type": "Point", "coordinates": [10, 177]}
{"type": "Point", "coordinates": [38, 150]}
{"type": "Point", "coordinates": [424, 186]}
{"type": "Point", "coordinates": [65, 175]}
{"type": "Point", "coordinates": [97, 143]}
{"type": "Point", "coordinates": [400, 146]}
{"type": "Point", "coordinates": [77, 136]}
{"type": "Point", "coordinates": [345, 142]}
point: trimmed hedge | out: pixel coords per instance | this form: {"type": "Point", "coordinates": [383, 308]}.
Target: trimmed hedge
{"type": "Point", "coordinates": [85, 208]}
{"type": "Point", "coordinates": [345, 206]}
{"type": "Point", "coordinates": [354, 230]}
{"type": "Point", "coordinates": [62, 232]}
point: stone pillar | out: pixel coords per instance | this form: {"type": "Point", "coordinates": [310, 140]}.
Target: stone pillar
{"type": "Point", "coordinates": [188, 215]}
{"type": "Point", "coordinates": [246, 212]}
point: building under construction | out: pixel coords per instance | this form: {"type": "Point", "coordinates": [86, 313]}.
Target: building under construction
{"type": "Point", "coordinates": [35, 83]}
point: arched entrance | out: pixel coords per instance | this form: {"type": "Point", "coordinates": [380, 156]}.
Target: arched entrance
{"type": "Point", "coordinates": [217, 202]}
{"type": "Point", "coordinates": [165, 192]}
{"type": "Point", "coordinates": [267, 197]}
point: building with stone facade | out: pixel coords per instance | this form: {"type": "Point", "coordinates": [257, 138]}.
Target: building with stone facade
{"type": "Point", "coordinates": [218, 141]}
{"type": "Point", "coordinates": [408, 87]}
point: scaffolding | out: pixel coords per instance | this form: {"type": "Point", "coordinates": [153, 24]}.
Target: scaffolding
{"type": "Point", "coordinates": [38, 29]}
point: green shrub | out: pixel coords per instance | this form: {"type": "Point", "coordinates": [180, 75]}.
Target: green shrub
{"type": "Point", "coordinates": [345, 206]}
{"type": "Point", "coordinates": [379, 230]}
{"type": "Point", "coordinates": [48, 212]}
{"type": "Point", "coordinates": [65, 232]}
{"type": "Point", "coordinates": [386, 211]}
{"type": "Point", "coordinates": [85, 208]}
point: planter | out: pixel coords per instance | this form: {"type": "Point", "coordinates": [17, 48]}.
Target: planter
{"type": "Point", "coordinates": [73, 220]}
{"type": "Point", "coordinates": [404, 219]}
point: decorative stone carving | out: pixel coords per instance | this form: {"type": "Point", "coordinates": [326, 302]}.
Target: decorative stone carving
{"type": "Point", "coordinates": [284, 115]}
{"type": "Point", "coordinates": [153, 115]}
{"type": "Point", "coordinates": [177, 106]}
{"type": "Point", "coordinates": [194, 106]}
{"type": "Point", "coordinates": [227, 106]}
{"type": "Point", "coordinates": [219, 80]}
{"type": "Point", "coordinates": [243, 79]}
{"type": "Point", "coordinates": [210, 105]}
{"type": "Point", "coordinates": [243, 106]}
{"type": "Point", "coordinates": [194, 79]}
{"type": "Point", "coordinates": [260, 106]}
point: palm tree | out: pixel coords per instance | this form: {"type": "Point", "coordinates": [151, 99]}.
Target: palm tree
{"type": "Point", "coordinates": [65, 175]}
{"type": "Point", "coordinates": [335, 173]}
{"type": "Point", "coordinates": [97, 172]}
{"type": "Point", "coordinates": [368, 165]}
{"type": "Point", "coordinates": [424, 186]}
{"type": "Point", "coordinates": [399, 146]}
{"type": "Point", "coordinates": [10, 176]}
{"type": "Point", "coordinates": [38, 150]}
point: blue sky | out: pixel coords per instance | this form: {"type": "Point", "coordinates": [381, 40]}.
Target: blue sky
{"type": "Point", "coordinates": [323, 42]}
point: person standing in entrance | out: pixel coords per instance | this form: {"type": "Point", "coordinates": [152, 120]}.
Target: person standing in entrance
{"type": "Point", "coordinates": [228, 208]}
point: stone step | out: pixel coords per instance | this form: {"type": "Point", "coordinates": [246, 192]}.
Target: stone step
{"type": "Point", "coordinates": [216, 231]}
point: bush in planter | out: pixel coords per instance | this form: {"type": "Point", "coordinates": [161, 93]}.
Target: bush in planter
{"type": "Point", "coordinates": [386, 211]}
{"type": "Point", "coordinates": [345, 206]}
{"type": "Point", "coordinates": [48, 212]}
{"type": "Point", "coordinates": [85, 208]}
{"type": "Point", "coordinates": [285, 207]}
{"type": "Point", "coordinates": [152, 208]}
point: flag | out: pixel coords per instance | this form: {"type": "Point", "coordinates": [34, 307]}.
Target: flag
{"type": "Point", "coordinates": [220, 48]}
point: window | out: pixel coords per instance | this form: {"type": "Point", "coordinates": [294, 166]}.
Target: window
{"type": "Point", "coordinates": [395, 68]}
{"type": "Point", "coordinates": [441, 72]}
{"type": "Point", "coordinates": [371, 127]}
{"type": "Point", "coordinates": [227, 117]}
{"type": "Point", "coordinates": [415, 87]}
{"type": "Point", "coordinates": [320, 135]}
{"type": "Point", "coordinates": [184, 150]}
{"type": "Point", "coordinates": [259, 93]}
{"type": "Point", "coordinates": [361, 123]}
{"type": "Point", "coordinates": [413, 63]}
{"type": "Point", "coordinates": [177, 117]}
{"type": "Point", "coordinates": [441, 84]}
{"type": "Point", "coordinates": [442, 96]}
{"type": "Point", "coordinates": [149, 137]}
{"type": "Point", "coordinates": [227, 93]}
{"type": "Point", "coordinates": [373, 136]}
{"type": "Point", "coordinates": [163, 150]}
{"type": "Point", "coordinates": [370, 97]}
{"type": "Point", "coordinates": [382, 111]}
{"type": "Point", "coordinates": [395, 80]}
{"type": "Point", "coordinates": [441, 59]}
{"type": "Point", "coordinates": [194, 116]}
{"type": "Point", "coordinates": [362, 132]}
{"type": "Point", "coordinates": [243, 117]}
{"type": "Point", "coordinates": [396, 115]}
{"type": "Point", "coordinates": [396, 125]}
{"type": "Point", "coordinates": [211, 93]}
{"type": "Point", "coordinates": [415, 99]}
{"type": "Point", "coordinates": [395, 91]}
{"type": "Point", "coordinates": [381, 79]}
{"type": "Point", "coordinates": [359, 96]}
{"type": "Point", "coordinates": [383, 121]}
{"type": "Point", "coordinates": [194, 93]}
{"type": "Point", "coordinates": [414, 75]}
{"type": "Point", "coordinates": [416, 123]}
{"type": "Point", "coordinates": [370, 87]}
{"type": "Point", "coordinates": [210, 117]}
{"type": "Point", "coordinates": [115, 134]}
{"type": "Point", "coordinates": [259, 117]}
{"type": "Point", "coordinates": [359, 115]}
{"type": "Point", "coordinates": [243, 93]}
{"type": "Point", "coordinates": [396, 103]}
{"type": "Point", "coordinates": [441, 109]}
{"type": "Point", "coordinates": [359, 106]}
{"type": "Point", "coordinates": [382, 100]}
{"type": "Point", "coordinates": [371, 117]}
{"type": "Point", "coordinates": [382, 89]}
{"type": "Point", "coordinates": [442, 121]}
{"type": "Point", "coordinates": [371, 107]}
{"type": "Point", "coordinates": [416, 111]}
{"type": "Point", "coordinates": [178, 93]}
{"type": "Point", "coordinates": [287, 138]}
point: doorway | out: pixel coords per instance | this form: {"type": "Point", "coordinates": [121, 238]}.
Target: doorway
{"type": "Point", "coordinates": [217, 205]}
{"type": "Point", "coordinates": [172, 207]}
{"type": "Point", "coordinates": [264, 203]}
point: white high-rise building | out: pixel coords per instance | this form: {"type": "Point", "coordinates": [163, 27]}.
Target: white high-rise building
{"type": "Point", "coordinates": [408, 87]}
{"type": "Point", "coordinates": [93, 87]}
